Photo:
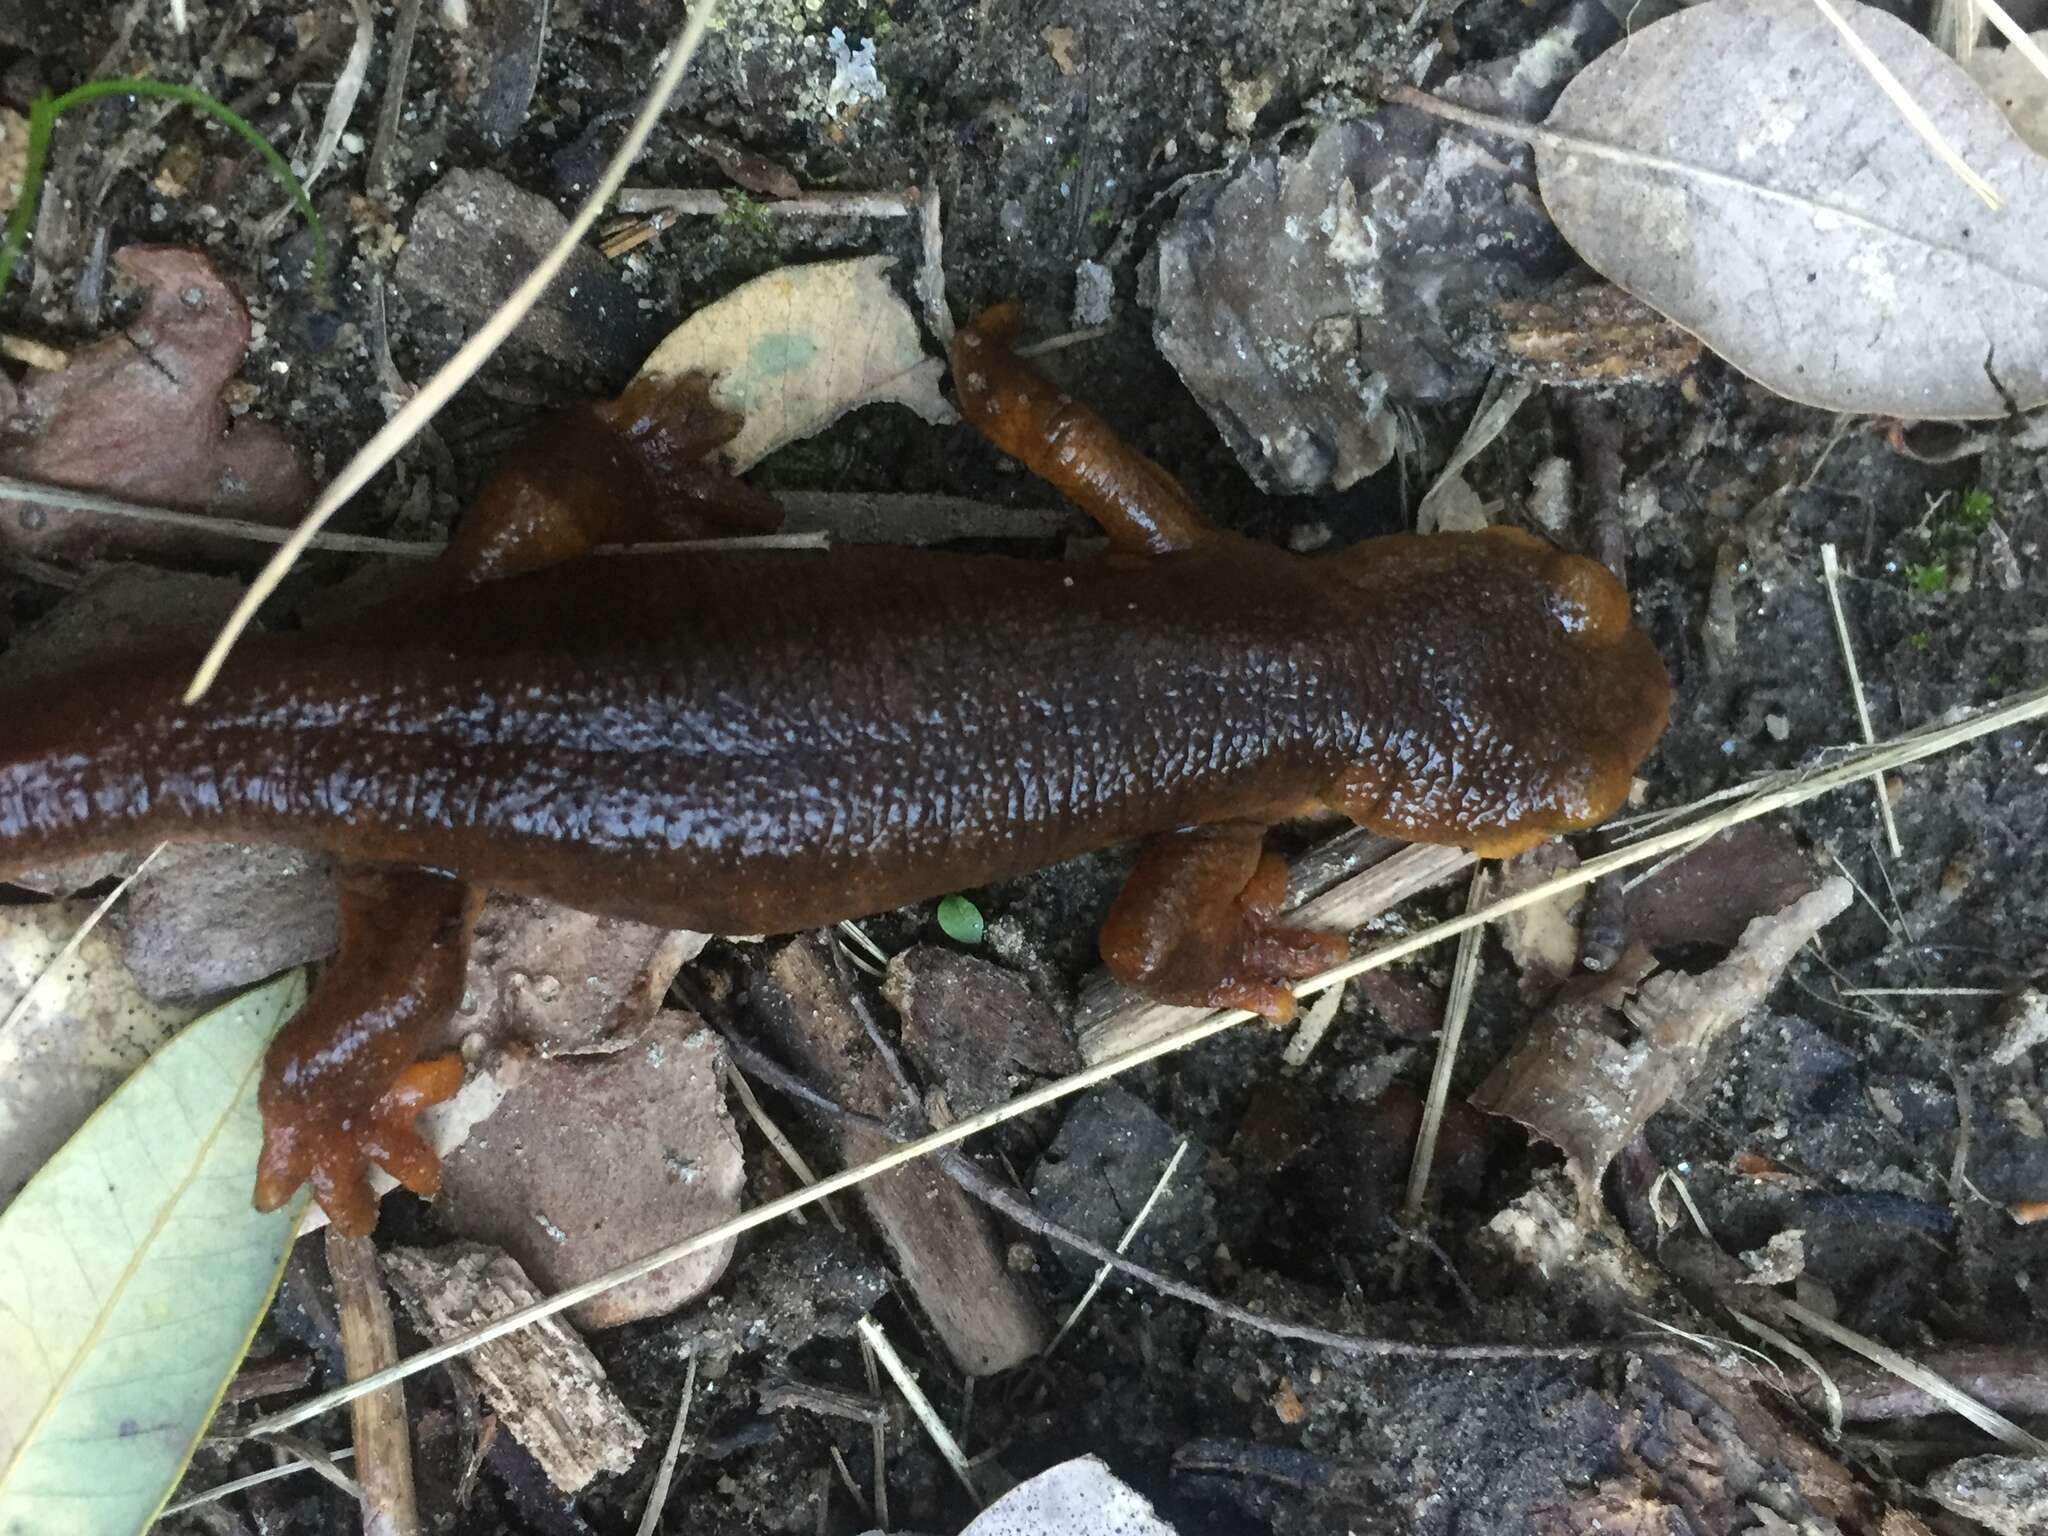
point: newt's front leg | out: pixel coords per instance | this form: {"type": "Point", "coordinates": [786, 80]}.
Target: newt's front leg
{"type": "Point", "coordinates": [1142, 508]}
{"type": "Point", "coordinates": [340, 1085]}
{"type": "Point", "coordinates": [1197, 923]}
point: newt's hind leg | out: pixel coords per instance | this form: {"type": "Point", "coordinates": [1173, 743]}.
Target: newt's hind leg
{"type": "Point", "coordinates": [1142, 508]}
{"type": "Point", "coordinates": [624, 471]}
{"type": "Point", "coordinates": [340, 1086]}
{"type": "Point", "coordinates": [1197, 923]}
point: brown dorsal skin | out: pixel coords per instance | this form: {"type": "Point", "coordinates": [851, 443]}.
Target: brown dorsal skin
{"type": "Point", "coordinates": [760, 741]}
{"type": "Point", "coordinates": [746, 742]}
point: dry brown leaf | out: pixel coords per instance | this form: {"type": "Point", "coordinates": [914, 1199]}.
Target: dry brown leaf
{"type": "Point", "coordinates": [794, 350]}
{"type": "Point", "coordinates": [1590, 1073]}
{"type": "Point", "coordinates": [139, 415]}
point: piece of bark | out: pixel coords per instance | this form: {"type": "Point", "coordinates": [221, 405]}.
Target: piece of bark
{"type": "Point", "coordinates": [1591, 1072]}
{"type": "Point", "coordinates": [976, 1033]}
{"type": "Point", "coordinates": [1112, 1018]}
{"type": "Point", "coordinates": [543, 1382]}
{"type": "Point", "coordinates": [941, 1238]}
{"type": "Point", "coordinates": [139, 415]}
{"type": "Point", "coordinates": [1716, 889]}
{"type": "Point", "coordinates": [1589, 333]}
{"type": "Point", "coordinates": [1716, 1447]}
{"type": "Point", "coordinates": [589, 1162]}
{"type": "Point", "coordinates": [381, 1433]}
{"type": "Point", "coordinates": [2013, 1378]}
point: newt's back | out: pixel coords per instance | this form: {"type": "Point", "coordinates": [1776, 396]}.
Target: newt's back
{"type": "Point", "coordinates": [727, 741]}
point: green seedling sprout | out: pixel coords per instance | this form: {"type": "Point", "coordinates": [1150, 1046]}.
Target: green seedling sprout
{"type": "Point", "coordinates": [960, 920]}
{"type": "Point", "coordinates": [44, 111]}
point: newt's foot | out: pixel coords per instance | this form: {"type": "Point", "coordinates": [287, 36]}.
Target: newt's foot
{"type": "Point", "coordinates": [1273, 953]}
{"type": "Point", "coordinates": [306, 1141]}
{"type": "Point", "coordinates": [1191, 928]}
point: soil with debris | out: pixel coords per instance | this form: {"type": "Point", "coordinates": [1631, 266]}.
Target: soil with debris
{"type": "Point", "coordinates": [1887, 1102]}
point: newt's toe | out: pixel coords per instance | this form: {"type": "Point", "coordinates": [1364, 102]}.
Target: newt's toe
{"type": "Point", "coordinates": [307, 1142]}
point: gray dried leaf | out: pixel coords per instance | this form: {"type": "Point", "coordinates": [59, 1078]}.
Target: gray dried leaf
{"type": "Point", "coordinates": [1746, 177]}
{"type": "Point", "coordinates": [2016, 88]}
{"type": "Point", "coordinates": [1591, 1072]}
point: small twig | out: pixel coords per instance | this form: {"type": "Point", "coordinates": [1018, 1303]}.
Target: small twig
{"type": "Point", "coordinates": [1831, 573]}
{"type": "Point", "coordinates": [369, 1342]}
{"type": "Point", "coordinates": [1464, 974]}
{"type": "Point", "coordinates": [1830, 1393]}
{"type": "Point", "coordinates": [846, 1478]}
{"type": "Point", "coordinates": [314, 1459]}
{"type": "Point", "coordinates": [879, 1433]}
{"type": "Point", "coordinates": [1062, 341]}
{"type": "Point", "coordinates": [255, 1479]}
{"type": "Point", "coordinates": [706, 203]}
{"type": "Point", "coordinates": [1951, 1397]}
{"type": "Point", "coordinates": [1920, 992]}
{"type": "Point", "coordinates": [69, 500]}
{"type": "Point", "coordinates": [920, 1405]}
{"type": "Point", "coordinates": [377, 173]}
{"type": "Point", "coordinates": [1122, 1244]}
{"type": "Point", "coordinates": [784, 1148]}
{"type": "Point", "coordinates": [1028, 1216]}
{"type": "Point", "coordinates": [341, 106]}
{"type": "Point", "coordinates": [657, 1496]}
{"type": "Point", "coordinates": [781, 1392]}
{"type": "Point", "coordinates": [931, 270]}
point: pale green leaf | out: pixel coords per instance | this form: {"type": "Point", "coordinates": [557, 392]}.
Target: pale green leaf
{"type": "Point", "coordinates": [133, 1271]}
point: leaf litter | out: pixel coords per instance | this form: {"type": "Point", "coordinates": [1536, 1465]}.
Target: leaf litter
{"type": "Point", "coordinates": [1741, 173]}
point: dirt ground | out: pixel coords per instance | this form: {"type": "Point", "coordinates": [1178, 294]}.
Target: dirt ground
{"type": "Point", "coordinates": [1857, 1103]}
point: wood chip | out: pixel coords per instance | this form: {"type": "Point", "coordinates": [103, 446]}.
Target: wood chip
{"type": "Point", "coordinates": [543, 1382]}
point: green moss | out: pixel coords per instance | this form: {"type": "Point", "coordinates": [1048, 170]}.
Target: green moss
{"type": "Point", "coordinates": [1929, 579]}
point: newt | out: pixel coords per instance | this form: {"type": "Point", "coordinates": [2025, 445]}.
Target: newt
{"type": "Point", "coordinates": [749, 741]}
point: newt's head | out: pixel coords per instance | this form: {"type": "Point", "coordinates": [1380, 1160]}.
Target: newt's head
{"type": "Point", "coordinates": [1507, 694]}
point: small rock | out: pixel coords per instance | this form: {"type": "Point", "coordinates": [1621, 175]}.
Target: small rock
{"type": "Point", "coordinates": [1094, 291]}
{"type": "Point", "coordinates": [2009, 1494]}
{"type": "Point", "coordinates": [973, 1029]}
{"type": "Point", "coordinates": [1099, 1171]}
{"type": "Point", "coordinates": [2023, 1024]}
{"type": "Point", "coordinates": [208, 918]}
{"type": "Point", "coordinates": [559, 980]}
{"type": "Point", "coordinates": [590, 1161]}
{"type": "Point", "coordinates": [475, 236]}
{"type": "Point", "coordinates": [1551, 493]}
